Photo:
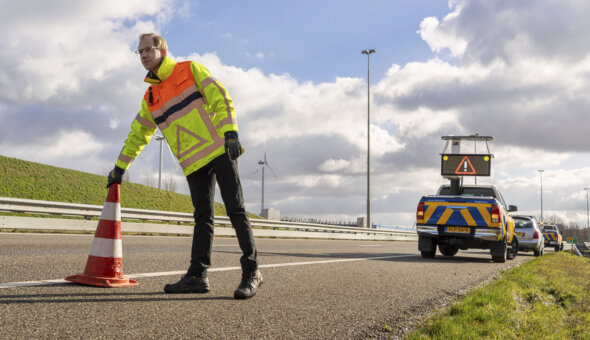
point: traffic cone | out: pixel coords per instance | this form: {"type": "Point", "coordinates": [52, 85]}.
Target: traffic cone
{"type": "Point", "coordinates": [104, 267]}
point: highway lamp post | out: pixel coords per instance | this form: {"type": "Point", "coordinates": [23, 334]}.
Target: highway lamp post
{"type": "Point", "coordinates": [587, 209]}
{"type": "Point", "coordinates": [368, 53]}
{"type": "Point", "coordinates": [541, 173]}
{"type": "Point", "coordinates": [160, 139]}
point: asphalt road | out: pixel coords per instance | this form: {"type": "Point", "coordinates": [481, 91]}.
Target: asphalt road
{"type": "Point", "coordinates": [314, 289]}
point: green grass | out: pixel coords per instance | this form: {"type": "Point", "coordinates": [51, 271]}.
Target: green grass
{"type": "Point", "coordinates": [546, 298]}
{"type": "Point", "coordinates": [29, 180]}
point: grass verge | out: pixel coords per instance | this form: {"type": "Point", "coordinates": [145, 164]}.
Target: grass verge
{"type": "Point", "coordinates": [548, 297]}
{"type": "Point", "coordinates": [30, 180]}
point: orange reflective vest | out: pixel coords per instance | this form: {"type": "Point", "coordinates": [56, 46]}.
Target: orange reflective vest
{"type": "Point", "coordinates": [192, 110]}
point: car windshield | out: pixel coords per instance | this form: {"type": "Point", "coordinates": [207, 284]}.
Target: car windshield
{"type": "Point", "coordinates": [523, 223]}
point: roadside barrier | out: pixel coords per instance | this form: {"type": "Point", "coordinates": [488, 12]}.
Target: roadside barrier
{"type": "Point", "coordinates": [176, 222]}
{"type": "Point", "coordinates": [104, 267]}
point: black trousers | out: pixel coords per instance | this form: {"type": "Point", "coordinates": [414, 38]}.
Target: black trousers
{"type": "Point", "coordinates": [202, 188]}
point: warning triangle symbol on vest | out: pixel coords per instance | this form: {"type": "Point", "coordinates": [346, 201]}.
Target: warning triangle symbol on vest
{"type": "Point", "coordinates": [187, 141]}
{"type": "Point", "coordinates": [465, 167]}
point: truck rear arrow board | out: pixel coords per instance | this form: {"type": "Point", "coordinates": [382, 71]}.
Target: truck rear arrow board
{"type": "Point", "coordinates": [466, 164]}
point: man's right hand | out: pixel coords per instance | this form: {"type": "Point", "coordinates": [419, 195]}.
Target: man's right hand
{"type": "Point", "coordinates": [115, 176]}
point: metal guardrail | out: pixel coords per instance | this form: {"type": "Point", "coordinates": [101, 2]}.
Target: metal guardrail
{"type": "Point", "coordinates": [582, 249]}
{"type": "Point", "coordinates": [171, 222]}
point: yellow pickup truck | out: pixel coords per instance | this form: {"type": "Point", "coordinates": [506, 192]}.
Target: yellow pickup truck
{"type": "Point", "coordinates": [476, 218]}
{"type": "Point", "coordinates": [552, 236]}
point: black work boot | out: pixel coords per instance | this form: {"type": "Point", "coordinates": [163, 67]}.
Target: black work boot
{"type": "Point", "coordinates": [188, 284]}
{"type": "Point", "coordinates": [249, 285]}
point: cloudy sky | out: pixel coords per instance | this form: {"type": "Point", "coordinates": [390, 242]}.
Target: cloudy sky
{"type": "Point", "coordinates": [515, 70]}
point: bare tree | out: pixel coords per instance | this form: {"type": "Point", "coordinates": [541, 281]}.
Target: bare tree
{"type": "Point", "coordinates": [148, 179]}
{"type": "Point", "coordinates": [169, 183]}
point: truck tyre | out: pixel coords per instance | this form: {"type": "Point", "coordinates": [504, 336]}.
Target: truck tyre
{"type": "Point", "coordinates": [447, 250]}
{"type": "Point", "coordinates": [499, 251]}
{"type": "Point", "coordinates": [556, 248]}
{"type": "Point", "coordinates": [513, 250]}
{"type": "Point", "coordinates": [561, 247]}
{"type": "Point", "coordinates": [427, 247]}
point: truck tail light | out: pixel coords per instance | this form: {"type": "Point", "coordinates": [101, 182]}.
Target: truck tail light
{"type": "Point", "coordinates": [495, 213]}
{"type": "Point", "coordinates": [420, 211]}
{"type": "Point", "coordinates": [536, 235]}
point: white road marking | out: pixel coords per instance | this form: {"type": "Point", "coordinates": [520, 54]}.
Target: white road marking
{"type": "Point", "coordinates": [222, 269]}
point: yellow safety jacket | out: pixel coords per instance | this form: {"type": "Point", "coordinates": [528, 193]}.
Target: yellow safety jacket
{"type": "Point", "coordinates": [192, 110]}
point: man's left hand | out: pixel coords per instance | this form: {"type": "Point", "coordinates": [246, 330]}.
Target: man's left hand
{"type": "Point", "coordinates": [232, 145]}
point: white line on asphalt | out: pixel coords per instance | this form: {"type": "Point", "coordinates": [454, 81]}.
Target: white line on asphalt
{"type": "Point", "coordinates": [223, 269]}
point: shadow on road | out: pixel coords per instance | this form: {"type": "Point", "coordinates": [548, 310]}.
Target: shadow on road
{"type": "Point", "coordinates": [403, 257]}
{"type": "Point", "coordinates": [472, 256]}
{"type": "Point", "coordinates": [128, 295]}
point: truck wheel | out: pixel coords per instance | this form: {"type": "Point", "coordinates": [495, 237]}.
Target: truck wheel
{"type": "Point", "coordinates": [556, 248]}
{"type": "Point", "coordinates": [513, 250]}
{"type": "Point", "coordinates": [428, 254]}
{"type": "Point", "coordinates": [499, 251]}
{"type": "Point", "coordinates": [427, 247]}
{"type": "Point", "coordinates": [447, 250]}
{"type": "Point", "coordinates": [561, 247]}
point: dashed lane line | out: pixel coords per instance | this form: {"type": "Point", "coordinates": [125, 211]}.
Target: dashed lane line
{"type": "Point", "coordinates": [222, 269]}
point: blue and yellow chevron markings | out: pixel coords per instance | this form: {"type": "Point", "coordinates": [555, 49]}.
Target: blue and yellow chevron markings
{"type": "Point", "coordinates": [469, 214]}
{"type": "Point", "coordinates": [550, 237]}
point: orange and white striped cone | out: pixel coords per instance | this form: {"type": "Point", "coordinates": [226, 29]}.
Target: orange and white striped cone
{"type": "Point", "coordinates": [104, 267]}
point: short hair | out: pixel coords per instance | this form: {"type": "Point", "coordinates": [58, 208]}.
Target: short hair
{"type": "Point", "coordinates": [159, 42]}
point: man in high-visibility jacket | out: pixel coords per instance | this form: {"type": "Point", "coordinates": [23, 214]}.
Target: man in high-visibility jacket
{"type": "Point", "coordinates": [196, 115]}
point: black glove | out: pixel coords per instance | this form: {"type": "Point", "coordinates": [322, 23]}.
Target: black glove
{"type": "Point", "coordinates": [115, 176]}
{"type": "Point", "coordinates": [232, 145]}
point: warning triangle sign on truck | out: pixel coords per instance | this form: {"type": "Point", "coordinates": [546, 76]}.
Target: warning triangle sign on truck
{"type": "Point", "coordinates": [465, 167]}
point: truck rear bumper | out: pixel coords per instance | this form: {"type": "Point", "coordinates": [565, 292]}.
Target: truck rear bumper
{"type": "Point", "coordinates": [484, 234]}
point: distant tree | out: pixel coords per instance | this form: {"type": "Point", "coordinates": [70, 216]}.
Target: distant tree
{"type": "Point", "coordinates": [148, 178]}
{"type": "Point", "coordinates": [169, 183]}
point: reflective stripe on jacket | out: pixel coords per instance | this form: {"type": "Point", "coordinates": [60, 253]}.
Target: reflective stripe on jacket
{"type": "Point", "coordinates": [191, 108]}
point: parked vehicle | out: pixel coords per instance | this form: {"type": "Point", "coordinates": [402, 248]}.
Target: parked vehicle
{"type": "Point", "coordinates": [476, 218]}
{"type": "Point", "coordinates": [552, 236]}
{"type": "Point", "coordinates": [529, 234]}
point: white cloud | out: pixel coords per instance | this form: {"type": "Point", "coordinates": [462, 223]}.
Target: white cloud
{"type": "Point", "coordinates": [80, 44]}
{"type": "Point", "coordinates": [439, 39]}
{"type": "Point", "coordinates": [65, 146]}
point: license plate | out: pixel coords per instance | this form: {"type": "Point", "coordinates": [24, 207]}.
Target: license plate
{"type": "Point", "coordinates": [519, 234]}
{"type": "Point", "coordinates": [457, 230]}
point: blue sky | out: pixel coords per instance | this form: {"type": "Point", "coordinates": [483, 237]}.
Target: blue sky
{"type": "Point", "coordinates": [514, 70]}
{"type": "Point", "coordinates": [310, 40]}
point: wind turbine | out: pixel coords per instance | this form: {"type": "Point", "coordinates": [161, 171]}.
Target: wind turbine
{"type": "Point", "coordinates": [264, 164]}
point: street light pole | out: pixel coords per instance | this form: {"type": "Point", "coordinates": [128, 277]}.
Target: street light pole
{"type": "Point", "coordinates": [368, 53]}
{"type": "Point", "coordinates": [587, 210]}
{"type": "Point", "coordinates": [541, 173]}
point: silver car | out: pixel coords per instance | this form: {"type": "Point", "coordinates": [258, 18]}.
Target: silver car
{"type": "Point", "coordinates": [528, 234]}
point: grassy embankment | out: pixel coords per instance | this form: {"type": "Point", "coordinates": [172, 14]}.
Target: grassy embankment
{"type": "Point", "coordinates": [546, 298]}
{"type": "Point", "coordinates": [29, 180]}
